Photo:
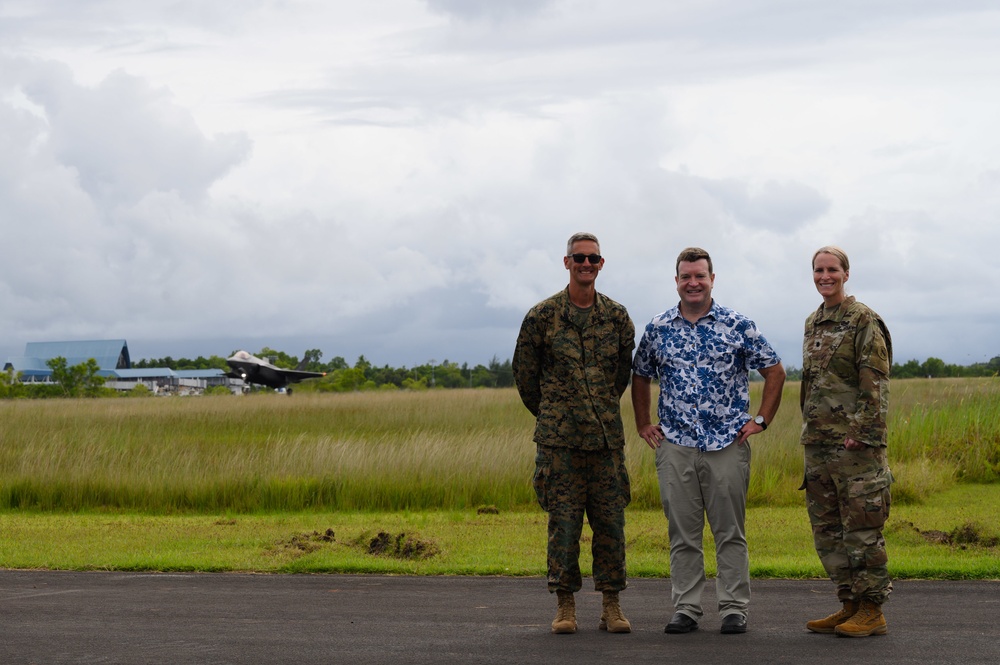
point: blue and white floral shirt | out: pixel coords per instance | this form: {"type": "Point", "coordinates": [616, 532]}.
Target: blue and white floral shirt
{"type": "Point", "coordinates": [703, 373]}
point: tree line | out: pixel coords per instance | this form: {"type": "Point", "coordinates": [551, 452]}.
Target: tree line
{"type": "Point", "coordinates": [935, 368]}
{"type": "Point", "coordinates": [82, 380]}
{"type": "Point", "coordinates": [363, 375]}
{"type": "Point", "coordinates": [932, 368]}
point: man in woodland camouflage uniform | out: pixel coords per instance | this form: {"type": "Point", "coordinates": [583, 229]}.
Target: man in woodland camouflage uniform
{"type": "Point", "coordinates": [571, 366]}
{"type": "Point", "coordinates": [847, 353]}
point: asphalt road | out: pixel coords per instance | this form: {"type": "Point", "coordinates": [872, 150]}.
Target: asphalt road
{"type": "Point", "coordinates": [65, 617]}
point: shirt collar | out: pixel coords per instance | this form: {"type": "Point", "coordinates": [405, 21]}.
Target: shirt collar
{"type": "Point", "coordinates": [835, 314]}
{"type": "Point", "coordinates": [674, 313]}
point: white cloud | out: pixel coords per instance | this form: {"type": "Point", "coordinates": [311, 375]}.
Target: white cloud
{"type": "Point", "coordinates": [126, 140]}
{"type": "Point", "coordinates": [399, 180]}
{"type": "Point", "coordinates": [487, 9]}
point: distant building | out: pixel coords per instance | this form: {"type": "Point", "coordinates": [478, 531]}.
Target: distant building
{"type": "Point", "coordinates": [110, 354]}
{"type": "Point", "coordinates": [163, 380]}
{"type": "Point", "coordinates": [116, 366]}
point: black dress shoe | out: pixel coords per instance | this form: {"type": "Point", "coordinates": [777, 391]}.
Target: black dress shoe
{"type": "Point", "coordinates": [681, 623]}
{"type": "Point", "coordinates": [733, 624]}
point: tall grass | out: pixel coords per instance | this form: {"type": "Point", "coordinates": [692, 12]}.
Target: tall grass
{"type": "Point", "coordinates": [940, 431]}
{"type": "Point", "coordinates": [356, 451]}
{"type": "Point", "coordinates": [407, 450]}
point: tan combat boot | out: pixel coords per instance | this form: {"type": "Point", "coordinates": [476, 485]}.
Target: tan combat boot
{"type": "Point", "coordinates": [868, 620]}
{"type": "Point", "coordinates": [565, 621]}
{"type": "Point", "coordinates": [612, 618]}
{"type": "Point", "coordinates": [827, 625]}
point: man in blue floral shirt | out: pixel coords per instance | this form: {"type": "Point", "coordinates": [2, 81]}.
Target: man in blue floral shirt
{"type": "Point", "coordinates": [702, 353]}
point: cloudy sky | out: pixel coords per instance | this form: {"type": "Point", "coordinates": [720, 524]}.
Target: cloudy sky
{"type": "Point", "coordinates": [397, 178]}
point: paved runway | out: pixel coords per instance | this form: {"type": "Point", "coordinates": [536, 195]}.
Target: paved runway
{"type": "Point", "coordinates": [65, 617]}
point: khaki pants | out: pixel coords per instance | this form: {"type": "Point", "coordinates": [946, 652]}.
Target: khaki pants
{"type": "Point", "coordinates": [693, 485]}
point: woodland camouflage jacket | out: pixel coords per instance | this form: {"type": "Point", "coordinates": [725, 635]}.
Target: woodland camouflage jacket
{"type": "Point", "coordinates": [572, 378]}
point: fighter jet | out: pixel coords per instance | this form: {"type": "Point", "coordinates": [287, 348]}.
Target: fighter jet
{"type": "Point", "coordinates": [252, 369]}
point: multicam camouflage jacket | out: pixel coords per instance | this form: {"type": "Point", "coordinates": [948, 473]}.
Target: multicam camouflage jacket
{"type": "Point", "coordinates": [846, 356]}
{"type": "Point", "coordinates": [572, 377]}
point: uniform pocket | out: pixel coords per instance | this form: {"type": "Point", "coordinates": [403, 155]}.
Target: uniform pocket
{"type": "Point", "coordinates": [868, 501]}
{"type": "Point", "coordinates": [543, 473]}
{"type": "Point", "coordinates": [624, 482]}
{"type": "Point", "coordinates": [822, 345]}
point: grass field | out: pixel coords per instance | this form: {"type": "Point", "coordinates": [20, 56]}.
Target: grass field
{"type": "Point", "coordinates": [260, 470]}
{"type": "Point", "coordinates": [953, 537]}
{"type": "Point", "coordinates": [449, 450]}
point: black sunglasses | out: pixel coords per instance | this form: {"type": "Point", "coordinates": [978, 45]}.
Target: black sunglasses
{"type": "Point", "coordinates": [594, 258]}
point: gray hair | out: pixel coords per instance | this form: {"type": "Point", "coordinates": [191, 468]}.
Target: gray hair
{"type": "Point", "coordinates": [576, 237]}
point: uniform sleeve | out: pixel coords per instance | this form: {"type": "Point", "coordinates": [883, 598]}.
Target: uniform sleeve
{"type": "Point", "coordinates": [626, 344]}
{"type": "Point", "coordinates": [527, 365]}
{"type": "Point", "coordinates": [805, 381]}
{"type": "Point", "coordinates": [872, 349]}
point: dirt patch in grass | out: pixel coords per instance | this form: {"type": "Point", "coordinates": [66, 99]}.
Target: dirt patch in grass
{"type": "Point", "coordinates": [398, 546]}
{"type": "Point", "coordinates": [966, 535]}
{"type": "Point", "coordinates": [303, 543]}
{"type": "Point", "coordinates": [402, 546]}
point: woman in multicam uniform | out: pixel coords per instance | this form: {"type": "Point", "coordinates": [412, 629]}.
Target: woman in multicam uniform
{"type": "Point", "coordinates": [846, 356]}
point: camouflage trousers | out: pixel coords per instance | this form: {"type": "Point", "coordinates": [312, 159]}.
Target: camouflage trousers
{"type": "Point", "coordinates": [570, 483]}
{"type": "Point", "coordinates": [847, 495]}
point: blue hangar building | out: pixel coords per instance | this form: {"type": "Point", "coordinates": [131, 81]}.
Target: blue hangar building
{"type": "Point", "coordinates": [115, 364]}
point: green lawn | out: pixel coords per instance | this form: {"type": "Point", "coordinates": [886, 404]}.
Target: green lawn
{"type": "Point", "coordinates": [467, 543]}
